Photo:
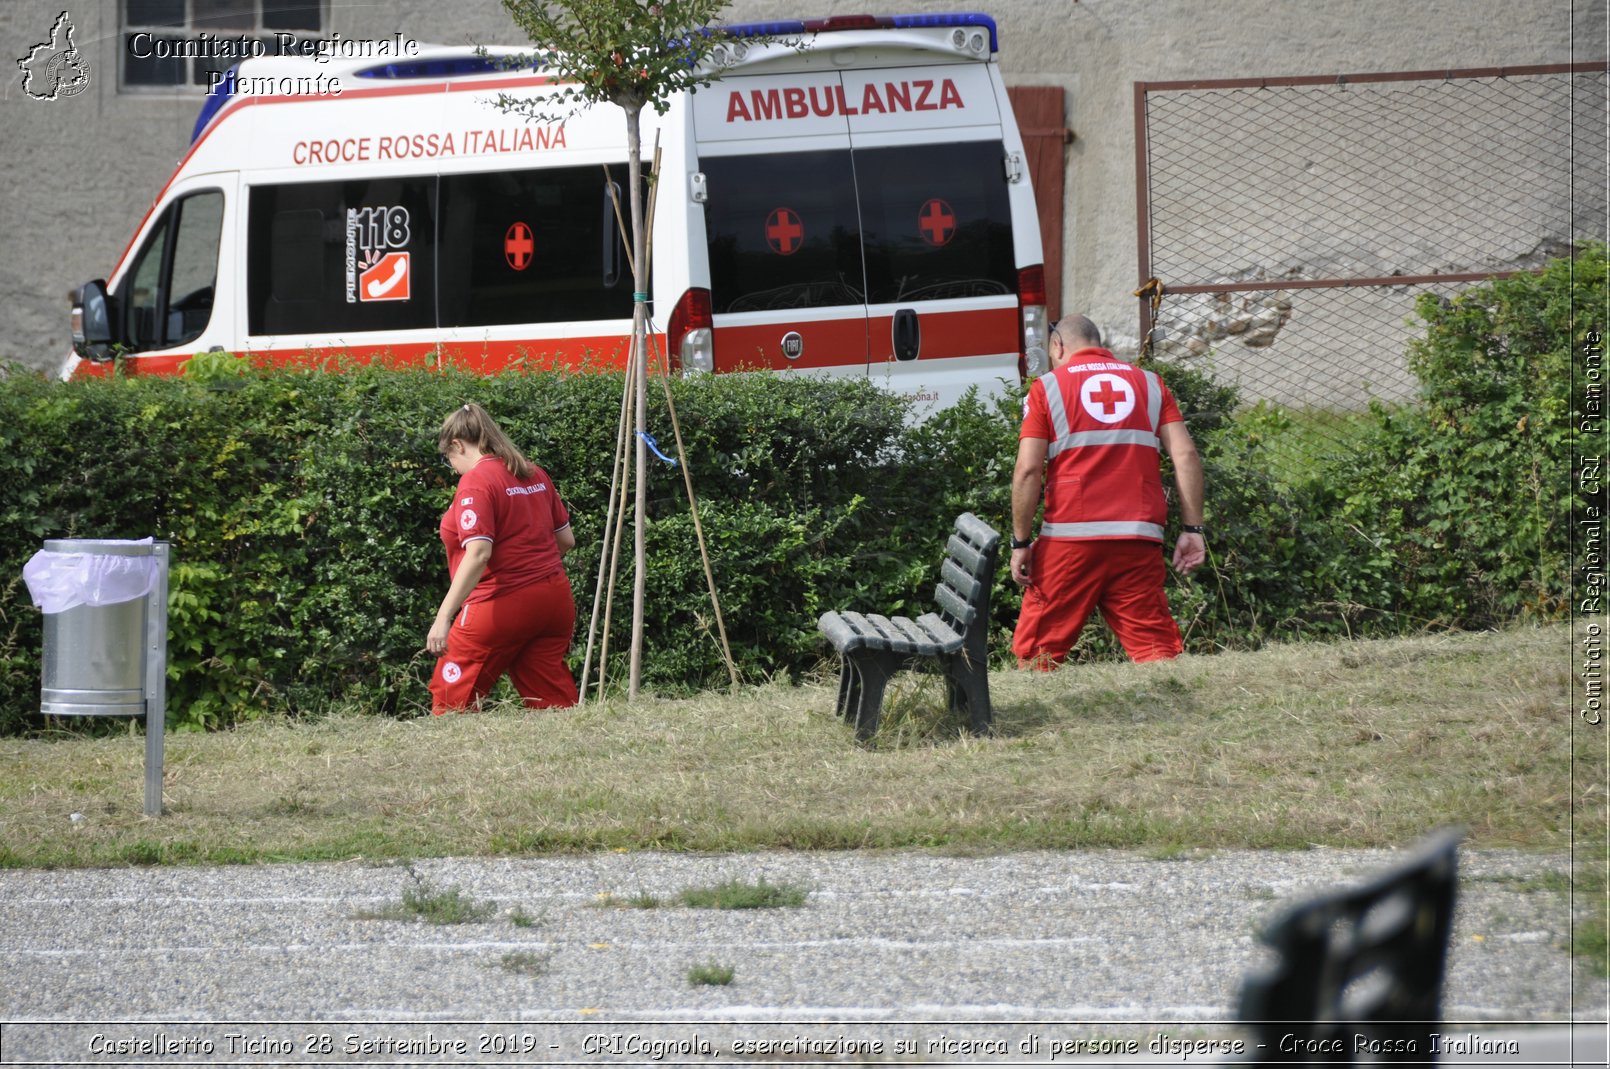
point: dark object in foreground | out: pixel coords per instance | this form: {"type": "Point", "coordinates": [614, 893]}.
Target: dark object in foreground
{"type": "Point", "coordinates": [1360, 972]}
{"type": "Point", "coordinates": [874, 647]}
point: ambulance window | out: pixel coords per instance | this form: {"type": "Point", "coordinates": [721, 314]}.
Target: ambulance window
{"type": "Point", "coordinates": [169, 296]}
{"type": "Point", "coordinates": [337, 257]}
{"type": "Point", "coordinates": [195, 266]}
{"type": "Point", "coordinates": [296, 278]}
{"type": "Point", "coordinates": [937, 222]}
{"type": "Point", "coordinates": [532, 247]}
{"type": "Point", "coordinates": [142, 301]}
{"type": "Point", "coordinates": [783, 231]}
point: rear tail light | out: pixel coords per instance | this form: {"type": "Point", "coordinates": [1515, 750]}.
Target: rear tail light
{"type": "Point", "coordinates": [689, 337]}
{"type": "Point", "coordinates": [1032, 359]}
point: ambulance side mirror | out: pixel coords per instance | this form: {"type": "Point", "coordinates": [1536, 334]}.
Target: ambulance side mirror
{"type": "Point", "coordinates": [92, 322]}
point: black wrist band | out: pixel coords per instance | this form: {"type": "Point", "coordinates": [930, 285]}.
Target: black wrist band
{"type": "Point", "coordinates": [1193, 528]}
{"type": "Point", "coordinates": [1021, 543]}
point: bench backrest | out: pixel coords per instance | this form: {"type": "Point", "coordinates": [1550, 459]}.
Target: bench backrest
{"type": "Point", "coordinates": [966, 578]}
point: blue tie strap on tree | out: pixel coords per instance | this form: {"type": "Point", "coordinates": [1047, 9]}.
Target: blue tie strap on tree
{"type": "Point", "coordinates": [654, 447]}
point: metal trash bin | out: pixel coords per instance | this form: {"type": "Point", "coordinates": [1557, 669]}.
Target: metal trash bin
{"type": "Point", "coordinates": [106, 636]}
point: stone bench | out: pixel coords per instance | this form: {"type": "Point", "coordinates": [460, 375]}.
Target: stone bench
{"type": "Point", "coordinates": [873, 648]}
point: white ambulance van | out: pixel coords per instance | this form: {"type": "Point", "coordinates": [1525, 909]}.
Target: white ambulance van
{"type": "Point", "coordinates": [854, 201]}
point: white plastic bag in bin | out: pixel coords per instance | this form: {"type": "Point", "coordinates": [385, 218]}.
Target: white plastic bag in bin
{"type": "Point", "coordinates": [62, 581]}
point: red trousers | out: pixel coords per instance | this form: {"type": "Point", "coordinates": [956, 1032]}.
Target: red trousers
{"type": "Point", "coordinates": [525, 632]}
{"type": "Point", "coordinates": [1070, 577]}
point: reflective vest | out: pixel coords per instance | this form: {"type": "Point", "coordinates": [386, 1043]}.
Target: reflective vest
{"type": "Point", "coordinates": [1102, 475]}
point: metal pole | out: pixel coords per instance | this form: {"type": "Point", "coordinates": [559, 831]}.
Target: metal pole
{"type": "Point", "coordinates": [1143, 211]}
{"type": "Point", "coordinates": [156, 681]}
{"type": "Point", "coordinates": [634, 141]}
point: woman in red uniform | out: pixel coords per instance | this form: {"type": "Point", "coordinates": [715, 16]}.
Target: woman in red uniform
{"type": "Point", "coordinates": [509, 606]}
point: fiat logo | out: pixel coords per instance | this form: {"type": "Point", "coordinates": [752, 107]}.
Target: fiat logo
{"type": "Point", "coordinates": [793, 345]}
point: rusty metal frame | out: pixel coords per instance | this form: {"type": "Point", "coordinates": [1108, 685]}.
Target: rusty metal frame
{"type": "Point", "coordinates": [1143, 222]}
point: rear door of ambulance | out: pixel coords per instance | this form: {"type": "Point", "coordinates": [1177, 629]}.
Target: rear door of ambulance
{"type": "Point", "coordinates": [934, 178]}
{"type": "Point", "coordinates": [860, 220]}
{"type": "Point", "coordinates": [787, 284]}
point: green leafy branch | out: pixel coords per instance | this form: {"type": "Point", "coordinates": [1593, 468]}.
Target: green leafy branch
{"type": "Point", "coordinates": [624, 52]}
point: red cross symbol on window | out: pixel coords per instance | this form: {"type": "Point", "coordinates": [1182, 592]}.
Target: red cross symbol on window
{"type": "Point", "coordinates": [518, 246]}
{"type": "Point", "coordinates": [1108, 398]}
{"type": "Point", "coordinates": [936, 222]}
{"type": "Point", "coordinates": [784, 232]}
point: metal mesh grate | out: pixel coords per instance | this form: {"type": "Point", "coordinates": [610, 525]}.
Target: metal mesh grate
{"type": "Point", "coordinates": [1293, 222]}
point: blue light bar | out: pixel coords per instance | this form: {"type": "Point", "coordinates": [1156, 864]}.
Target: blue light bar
{"type": "Point", "coordinates": [798, 27]}
{"type": "Point", "coordinates": [778, 28]}
{"type": "Point", "coordinates": [441, 67]}
{"type": "Point", "coordinates": [216, 99]}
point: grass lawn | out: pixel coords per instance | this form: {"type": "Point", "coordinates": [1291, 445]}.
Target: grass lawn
{"type": "Point", "coordinates": [1355, 744]}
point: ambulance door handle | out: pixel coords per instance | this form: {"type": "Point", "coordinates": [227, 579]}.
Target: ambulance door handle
{"type": "Point", "coordinates": [907, 334]}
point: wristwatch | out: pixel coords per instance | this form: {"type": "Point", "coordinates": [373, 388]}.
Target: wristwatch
{"type": "Point", "coordinates": [1193, 528]}
{"type": "Point", "coordinates": [1021, 543]}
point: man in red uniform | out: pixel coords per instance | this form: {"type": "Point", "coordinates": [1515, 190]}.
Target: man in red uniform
{"type": "Point", "coordinates": [509, 607]}
{"type": "Point", "coordinates": [1093, 431]}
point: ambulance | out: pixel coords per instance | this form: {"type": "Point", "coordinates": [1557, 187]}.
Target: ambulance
{"type": "Point", "coordinates": [851, 197]}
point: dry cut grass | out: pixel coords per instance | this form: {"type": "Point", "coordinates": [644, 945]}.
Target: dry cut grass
{"type": "Point", "coordinates": [1358, 744]}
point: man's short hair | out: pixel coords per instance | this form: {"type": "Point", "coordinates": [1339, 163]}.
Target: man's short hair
{"type": "Point", "coordinates": [1077, 330]}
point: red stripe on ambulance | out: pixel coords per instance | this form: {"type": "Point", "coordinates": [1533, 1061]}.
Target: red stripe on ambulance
{"type": "Point", "coordinates": [599, 353]}
{"type": "Point", "coordinates": [824, 343]}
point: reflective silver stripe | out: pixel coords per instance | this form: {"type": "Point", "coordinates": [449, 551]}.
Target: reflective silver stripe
{"type": "Point", "coordinates": [1154, 399]}
{"type": "Point", "coordinates": [1054, 406]}
{"type": "Point", "coordinates": [1146, 438]}
{"type": "Point", "coordinates": [1103, 529]}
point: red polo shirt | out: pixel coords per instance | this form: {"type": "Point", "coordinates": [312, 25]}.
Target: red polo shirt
{"type": "Point", "coordinates": [518, 516]}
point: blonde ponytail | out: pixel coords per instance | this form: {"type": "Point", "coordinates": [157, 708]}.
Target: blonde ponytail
{"type": "Point", "coordinates": [473, 424]}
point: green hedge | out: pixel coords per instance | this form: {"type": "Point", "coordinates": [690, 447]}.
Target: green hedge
{"type": "Point", "coordinates": [1462, 504]}
{"type": "Point", "coordinates": [302, 507]}
{"type": "Point", "coordinates": [1452, 512]}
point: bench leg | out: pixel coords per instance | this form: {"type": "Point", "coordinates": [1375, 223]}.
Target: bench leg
{"type": "Point", "coordinates": [872, 671]}
{"type": "Point", "coordinates": [849, 687]}
{"type": "Point", "coordinates": [968, 688]}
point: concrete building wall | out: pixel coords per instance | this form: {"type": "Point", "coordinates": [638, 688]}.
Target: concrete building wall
{"type": "Point", "coordinates": [81, 172]}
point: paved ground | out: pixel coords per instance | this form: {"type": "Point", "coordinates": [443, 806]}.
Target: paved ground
{"type": "Point", "coordinates": [1041, 955]}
